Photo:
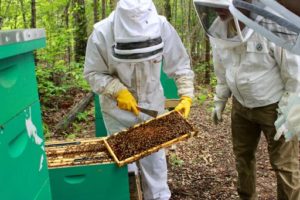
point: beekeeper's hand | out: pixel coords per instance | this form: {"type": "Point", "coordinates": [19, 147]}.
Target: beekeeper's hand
{"type": "Point", "coordinates": [283, 130]}
{"type": "Point", "coordinates": [288, 124]}
{"type": "Point", "coordinates": [288, 121]}
{"type": "Point", "coordinates": [184, 106]}
{"type": "Point", "coordinates": [293, 119]}
{"type": "Point", "coordinates": [218, 111]}
{"type": "Point", "coordinates": [126, 101]}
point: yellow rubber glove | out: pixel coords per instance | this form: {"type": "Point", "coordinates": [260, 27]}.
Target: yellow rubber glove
{"type": "Point", "coordinates": [127, 102]}
{"type": "Point", "coordinates": [184, 106]}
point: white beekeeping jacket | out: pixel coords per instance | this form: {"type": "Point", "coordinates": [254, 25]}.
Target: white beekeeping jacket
{"type": "Point", "coordinates": [256, 72]}
{"type": "Point", "coordinates": [141, 78]}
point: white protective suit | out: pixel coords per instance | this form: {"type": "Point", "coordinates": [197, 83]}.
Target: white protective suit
{"type": "Point", "coordinates": [107, 75]}
{"type": "Point", "coordinates": [257, 72]}
{"type": "Point", "coordinates": [288, 124]}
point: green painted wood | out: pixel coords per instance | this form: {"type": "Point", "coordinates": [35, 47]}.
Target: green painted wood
{"type": "Point", "coordinates": [45, 191]}
{"type": "Point", "coordinates": [18, 86]}
{"type": "Point", "coordinates": [99, 122]}
{"type": "Point", "coordinates": [23, 169]}
{"type": "Point", "coordinates": [169, 86]}
{"type": "Point", "coordinates": [92, 182]}
{"type": "Point", "coordinates": [18, 48]}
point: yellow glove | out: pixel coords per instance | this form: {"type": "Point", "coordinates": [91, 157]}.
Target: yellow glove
{"type": "Point", "coordinates": [184, 106]}
{"type": "Point", "coordinates": [127, 102]}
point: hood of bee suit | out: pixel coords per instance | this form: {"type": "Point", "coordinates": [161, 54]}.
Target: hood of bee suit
{"type": "Point", "coordinates": [137, 31]}
{"type": "Point", "coordinates": [282, 26]}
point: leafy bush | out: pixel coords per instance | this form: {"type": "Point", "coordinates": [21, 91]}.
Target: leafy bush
{"type": "Point", "coordinates": [59, 79]}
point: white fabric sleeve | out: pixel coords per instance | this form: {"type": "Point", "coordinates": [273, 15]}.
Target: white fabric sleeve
{"type": "Point", "coordinates": [222, 90]}
{"type": "Point", "coordinates": [288, 122]}
{"type": "Point", "coordinates": [290, 73]}
{"type": "Point", "coordinates": [96, 71]}
{"type": "Point", "coordinates": [113, 88]}
{"type": "Point", "coordinates": [293, 120]}
{"type": "Point", "coordinates": [176, 60]}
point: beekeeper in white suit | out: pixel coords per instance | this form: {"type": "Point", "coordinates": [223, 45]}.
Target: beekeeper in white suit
{"type": "Point", "coordinates": [123, 63]}
{"type": "Point", "coordinates": [260, 76]}
{"type": "Point", "coordinates": [286, 15]}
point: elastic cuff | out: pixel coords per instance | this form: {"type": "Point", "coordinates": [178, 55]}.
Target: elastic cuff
{"type": "Point", "coordinates": [217, 99]}
{"type": "Point", "coordinates": [113, 88]}
{"type": "Point", "coordinates": [186, 98]}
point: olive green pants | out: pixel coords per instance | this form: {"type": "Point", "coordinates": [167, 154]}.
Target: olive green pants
{"type": "Point", "coordinates": [247, 125]}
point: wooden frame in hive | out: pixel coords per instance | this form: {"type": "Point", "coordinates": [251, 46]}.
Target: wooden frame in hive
{"type": "Point", "coordinates": [79, 152]}
{"type": "Point", "coordinates": [153, 149]}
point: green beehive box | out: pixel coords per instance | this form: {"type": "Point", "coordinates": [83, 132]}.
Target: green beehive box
{"type": "Point", "coordinates": [92, 182]}
{"type": "Point", "coordinates": [99, 121]}
{"type": "Point", "coordinates": [169, 86]}
{"type": "Point", "coordinates": [18, 87]}
{"type": "Point", "coordinates": [23, 169]}
{"type": "Point", "coordinates": [83, 169]}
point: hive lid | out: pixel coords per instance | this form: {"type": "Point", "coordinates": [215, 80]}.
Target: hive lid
{"type": "Point", "coordinates": [20, 35]}
{"type": "Point", "coordinates": [16, 42]}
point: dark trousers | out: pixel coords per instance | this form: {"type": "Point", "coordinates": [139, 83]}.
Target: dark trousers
{"type": "Point", "coordinates": [247, 126]}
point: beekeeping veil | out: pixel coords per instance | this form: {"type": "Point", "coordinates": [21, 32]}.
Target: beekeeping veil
{"type": "Point", "coordinates": [219, 24]}
{"type": "Point", "coordinates": [283, 25]}
{"type": "Point", "coordinates": [137, 31]}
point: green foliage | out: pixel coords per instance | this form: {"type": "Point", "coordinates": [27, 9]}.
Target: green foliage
{"type": "Point", "coordinates": [46, 85]}
{"type": "Point", "coordinates": [204, 97]}
{"type": "Point", "coordinates": [76, 74]}
{"type": "Point", "coordinates": [83, 116]}
{"type": "Point", "coordinates": [57, 80]}
{"type": "Point", "coordinates": [201, 67]}
{"type": "Point", "coordinates": [47, 133]}
{"type": "Point", "coordinates": [77, 127]}
{"type": "Point", "coordinates": [213, 80]}
{"type": "Point", "coordinates": [174, 160]}
{"type": "Point", "coordinates": [71, 136]}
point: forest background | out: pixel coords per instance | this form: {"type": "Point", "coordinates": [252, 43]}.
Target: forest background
{"type": "Point", "coordinates": [68, 23]}
{"type": "Point", "coordinates": [206, 159]}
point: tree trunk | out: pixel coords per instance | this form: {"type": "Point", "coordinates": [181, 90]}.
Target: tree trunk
{"type": "Point", "coordinates": [96, 12]}
{"type": "Point", "coordinates": [23, 14]}
{"type": "Point", "coordinates": [207, 61]}
{"type": "Point", "coordinates": [182, 20]}
{"type": "Point", "coordinates": [167, 6]}
{"type": "Point", "coordinates": [103, 9]}
{"type": "Point", "coordinates": [33, 14]}
{"type": "Point", "coordinates": [189, 15]}
{"type": "Point", "coordinates": [112, 5]}
{"type": "Point", "coordinates": [80, 35]}
{"type": "Point", "coordinates": [175, 13]}
{"type": "Point", "coordinates": [67, 21]}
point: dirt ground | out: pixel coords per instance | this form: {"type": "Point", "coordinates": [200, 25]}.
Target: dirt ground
{"type": "Point", "coordinates": [202, 167]}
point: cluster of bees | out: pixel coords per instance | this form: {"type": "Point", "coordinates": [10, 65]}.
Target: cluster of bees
{"type": "Point", "coordinates": [150, 134]}
{"type": "Point", "coordinates": [125, 147]}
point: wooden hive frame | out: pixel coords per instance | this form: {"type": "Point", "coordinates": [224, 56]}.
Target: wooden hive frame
{"type": "Point", "coordinates": [150, 150]}
{"type": "Point", "coordinates": [62, 154]}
